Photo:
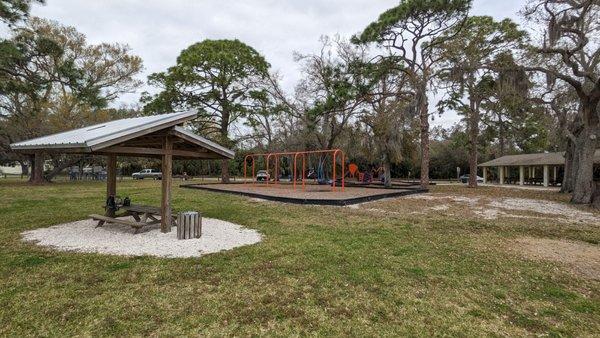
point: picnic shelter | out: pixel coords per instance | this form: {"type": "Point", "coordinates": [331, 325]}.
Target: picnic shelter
{"type": "Point", "coordinates": [158, 136]}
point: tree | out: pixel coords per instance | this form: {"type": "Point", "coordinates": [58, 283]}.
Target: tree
{"type": "Point", "coordinates": [411, 31]}
{"type": "Point", "coordinates": [512, 116]}
{"type": "Point", "coordinates": [467, 66]}
{"type": "Point", "coordinates": [59, 82]}
{"type": "Point", "coordinates": [330, 94]}
{"type": "Point", "coordinates": [13, 11]}
{"type": "Point", "coordinates": [218, 78]}
{"type": "Point", "coordinates": [563, 104]}
{"type": "Point", "coordinates": [389, 119]}
{"type": "Point", "coordinates": [449, 151]}
{"type": "Point", "coordinates": [567, 53]}
{"type": "Point", "coordinates": [263, 121]}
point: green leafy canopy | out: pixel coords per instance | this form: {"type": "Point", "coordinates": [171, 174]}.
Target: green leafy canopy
{"type": "Point", "coordinates": [408, 10]}
{"type": "Point", "coordinates": [12, 11]}
{"type": "Point", "coordinates": [218, 78]}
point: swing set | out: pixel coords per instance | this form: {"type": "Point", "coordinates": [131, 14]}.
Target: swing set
{"type": "Point", "coordinates": [320, 176]}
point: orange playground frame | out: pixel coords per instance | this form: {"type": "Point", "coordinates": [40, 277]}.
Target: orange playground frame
{"type": "Point", "coordinates": [296, 154]}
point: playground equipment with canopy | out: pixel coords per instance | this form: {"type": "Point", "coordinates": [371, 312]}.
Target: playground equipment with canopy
{"type": "Point", "coordinates": [365, 177]}
{"type": "Point", "coordinates": [299, 170]}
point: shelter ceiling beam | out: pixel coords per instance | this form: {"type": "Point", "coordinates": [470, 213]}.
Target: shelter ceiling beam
{"type": "Point", "coordinates": [154, 151]}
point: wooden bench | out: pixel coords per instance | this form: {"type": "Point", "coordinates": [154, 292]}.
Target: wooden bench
{"type": "Point", "coordinates": [105, 219]}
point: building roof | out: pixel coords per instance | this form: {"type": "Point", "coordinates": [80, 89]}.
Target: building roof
{"type": "Point", "coordinates": [101, 137]}
{"type": "Point", "coordinates": [556, 158]}
{"type": "Point", "coordinates": [94, 136]}
{"type": "Point", "coordinates": [201, 141]}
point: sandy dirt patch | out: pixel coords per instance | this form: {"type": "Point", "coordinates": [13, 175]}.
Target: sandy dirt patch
{"type": "Point", "coordinates": [82, 236]}
{"type": "Point", "coordinates": [453, 198]}
{"type": "Point", "coordinates": [544, 207]}
{"type": "Point", "coordinates": [582, 258]}
{"type": "Point", "coordinates": [492, 208]}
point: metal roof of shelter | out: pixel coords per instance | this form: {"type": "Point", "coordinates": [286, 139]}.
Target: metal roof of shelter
{"type": "Point", "coordinates": [128, 137]}
{"type": "Point", "coordinates": [555, 158]}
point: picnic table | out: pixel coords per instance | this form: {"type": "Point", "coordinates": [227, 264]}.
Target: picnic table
{"type": "Point", "coordinates": [144, 215]}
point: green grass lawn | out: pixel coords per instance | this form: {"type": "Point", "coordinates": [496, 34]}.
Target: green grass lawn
{"type": "Point", "coordinates": [318, 270]}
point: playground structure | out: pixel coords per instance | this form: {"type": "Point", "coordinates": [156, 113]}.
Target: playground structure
{"type": "Point", "coordinates": [330, 170]}
{"type": "Point", "coordinates": [365, 176]}
{"type": "Point", "coordinates": [321, 178]}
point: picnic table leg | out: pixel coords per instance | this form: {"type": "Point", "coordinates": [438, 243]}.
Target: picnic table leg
{"type": "Point", "coordinates": [100, 224]}
{"type": "Point", "coordinates": [135, 216]}
{"type": "Point", "coordinates": [111, 181]}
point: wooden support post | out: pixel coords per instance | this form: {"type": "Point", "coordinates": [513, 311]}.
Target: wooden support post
{"type": "Point", "coordinates": [546, 175]}
{"type": "Point", "coordinates": [555, 176]}
{"type": "Point", "coordinates": [501, 174]}
{"type": "Point", "coordinates": [484, 175]}
{"type": "Point", "coordinates": [111, 180]}
{"type": "Point", "coordinates": [167, 176]}
{"type": "Point", "coordinates": [521, 175]}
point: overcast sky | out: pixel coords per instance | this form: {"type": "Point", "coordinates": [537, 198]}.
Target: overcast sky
{"type": "Point", "coordinates": [158, 30]}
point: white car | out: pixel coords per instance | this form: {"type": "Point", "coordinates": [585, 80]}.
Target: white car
{"type": "Point", "coordinates": [465, 179]}
{"type": "Point", "coordinates": [262, 176]}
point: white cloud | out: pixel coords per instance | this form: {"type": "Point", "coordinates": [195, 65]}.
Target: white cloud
{"type": "Point", "coordinates": [158, 30]}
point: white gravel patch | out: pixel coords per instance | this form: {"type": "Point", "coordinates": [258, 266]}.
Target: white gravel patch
{"type": "Point", "coordinates": [488, 213]}
{"type": "Point", "coordinates": [83, 236]}
{"type": "Point", "coordinates": [440, 207]}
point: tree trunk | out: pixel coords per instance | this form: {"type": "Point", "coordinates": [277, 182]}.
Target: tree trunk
{"type": "Point", "coordinates": [60, 167]}
{"type": "Point", "coordinates": [24, 168]}
{"type": "Point", "coordinates": [37, 173]}
{"type": "Point", "coordinates": [424, 124]}
{"type": "Point", "coordinates": [585, 147]}
{"type": "Point", "coordinates": [567, 183]}
{"type": "Point", "coordinates": [387, 175]}
{"type": "Point", "coordinates": [502, 136]}
{"type": "Point", "coordinates": [571, 156]}
{"type": "Point", "coordinates": [473, 128]}
{"type": "Point", "coordinates": [225, 171]}
{"type": "Point", "coordinates": [32, 164]}
{"type": "Point", "coordinates": [225, 141]}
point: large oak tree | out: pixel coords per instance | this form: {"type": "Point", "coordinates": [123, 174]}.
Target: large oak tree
{"type": "Point", "coordinates": [55, 80]}
{"type": "Point", "coordinates": [220, 79]}
{"type": "Point", "coordinates": [567, 53]}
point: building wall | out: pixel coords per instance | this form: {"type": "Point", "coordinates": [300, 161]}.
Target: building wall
{"type": "Point", "coordinates": [16, 170]}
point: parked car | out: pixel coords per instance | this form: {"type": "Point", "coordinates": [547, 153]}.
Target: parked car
{"type": "Point", "coordinates": [465, 179]}
{"type": "Point", "coordinates": [147, 173]}
{"type": "Point", "coordinates": [262, 175]}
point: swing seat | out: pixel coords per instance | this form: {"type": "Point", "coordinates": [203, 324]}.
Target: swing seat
{"type": "Point", "coordinates": [325, 182]}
